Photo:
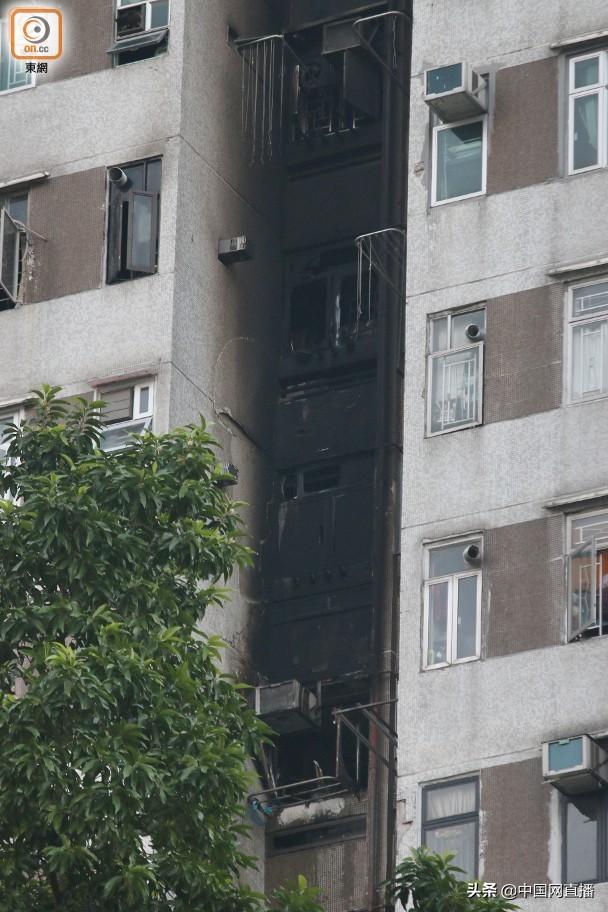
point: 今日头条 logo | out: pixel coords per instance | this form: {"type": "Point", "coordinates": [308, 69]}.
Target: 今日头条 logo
{"type": "Point", "coordinates": [36, 33]}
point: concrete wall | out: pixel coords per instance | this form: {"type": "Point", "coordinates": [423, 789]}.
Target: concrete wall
{"type": "Point", "coordinates": [492, 715]}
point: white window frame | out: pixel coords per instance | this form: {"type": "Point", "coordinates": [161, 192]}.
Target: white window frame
{"type": "Point", "coordinates": [574, 321]}
{"type": "Point", "coordinates": [9, 416]}
{"type": "Point", "coordinates": [452, 619]}
{"type": "Point", "coordinates": [432, 356]}
{"type": "Point", "coordinates": [601, 90]}
{"type": "Point", "coordinates": [439, 127]}
{"type": "Point", "coordinates": [139, 414]}
{"type": "Point", "coordinates": [147, 27]}
{"type": "Point", "coordinates": [13, 63]}
{"type": "Point", "coordinates": [600, 544]}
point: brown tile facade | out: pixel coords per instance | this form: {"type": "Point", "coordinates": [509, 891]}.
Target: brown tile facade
{"type": "Point", "coordinates": [523, 353]}
{"type": "Point", "coordinates": [526, 99]}
{"type": "Point", "coordinates": [523, 582]}
{"type": "Point", "coordinates": [515, 823]}
{"type": "Point", "coordinates": [68, 211]}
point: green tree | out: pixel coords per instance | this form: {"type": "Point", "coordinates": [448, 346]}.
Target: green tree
{"type": "Point", "coordinates": [429, 882]}
{"type": "Point", "coordinates": [123, 769]}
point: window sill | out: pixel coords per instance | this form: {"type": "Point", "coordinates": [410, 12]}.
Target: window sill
{"type": "Point", "coordinates": [457, 199]}
{"type": "Point", "coordinates": [454, 664]}
{"type": "Point", "coordinates": [17, 89]}
{"type": "Point", "coordinates": [463, 427]}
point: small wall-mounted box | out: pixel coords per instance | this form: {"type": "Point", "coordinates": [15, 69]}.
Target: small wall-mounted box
{"type": "Point", "coordinates": [233, 250]}
{"type": "Point", "coordinates": [575, 765]}
{"type": "Point", "coordinates": [455, 92]}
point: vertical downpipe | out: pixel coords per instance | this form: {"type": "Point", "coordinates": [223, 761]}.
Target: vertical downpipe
{"type": "Point", "coordinates": [387, 502]}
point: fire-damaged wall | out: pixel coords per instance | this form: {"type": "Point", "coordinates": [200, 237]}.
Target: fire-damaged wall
{"type": "Point", "coordinates": [323, 575]}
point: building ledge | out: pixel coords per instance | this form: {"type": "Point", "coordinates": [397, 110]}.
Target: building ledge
{"type": "Point", "coordinates": [578, 40]}
{"type": "Point", "coordinates": [586, 266]}
{"type": "Point", "coordinates": [575, 500]}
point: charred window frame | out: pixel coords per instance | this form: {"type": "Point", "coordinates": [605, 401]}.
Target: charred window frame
{"type": "Point", "coordinates": [311, 480]}
{"type": "Point", "coordinates": [141, 30]}
{"type": "Point", "coordinates": [133, 220]}
{"type": "Point", "coordinates": [305, 755]}
{"type": "Point", "coordinates": [450, 822]}
{"type": "Point", "coordinates": [128, 412]}
{"type": "Point", "coordinates": [13, 244]}
{"type": "Point", "coordinates": [337, 87]}
{"type": "Point", "coordinates": [323, 307]}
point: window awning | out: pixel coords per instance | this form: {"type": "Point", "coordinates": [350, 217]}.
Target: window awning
{"type": "Point", "coordinates": [146, 39]}
{"type": "Point", "coordinates": [21, 181]}
{"type": "Point", "coordinates": [578, 40]}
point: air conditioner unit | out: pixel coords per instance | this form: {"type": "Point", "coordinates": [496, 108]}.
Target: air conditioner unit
{"type": "Point", "coordinates": [233, 250]}
{"type": "Point", "coordinates": [575, 765]}
{"type": "Point", "coordinates": [455, 92]}
{"type": "Point", "coordinates": [340, 36]}
{"type": "Point", "coordinates": [287, 707]}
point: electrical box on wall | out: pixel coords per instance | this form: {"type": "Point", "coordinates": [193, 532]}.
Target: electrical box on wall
{"type": "Point", "coordinates": [234, 250]}
{"type": "Point", "coordinates": [575, 765]}
{"type": "Point", "coordinates": [287, 707]}
{"type": "Point", "coordinates": [455, 92]}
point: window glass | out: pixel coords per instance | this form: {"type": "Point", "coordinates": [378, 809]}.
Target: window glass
{"type": "Point", "coordinates": [455, 393]}
{"type": "Point", "coordinates": [582, 839]}
{"type": "Point", "coordinates": [452, 605]}
{"type": "Point", "coordinates": [590, 298]}
{"type": "Point", "coordinates": [459, 160]}
{"type": "Point", "coordinates": [439, 334]}
{"type": "Point", "coordinates": [585, 141]}
{"type": "Point", "coordinates": [144, 399]}
{"type": "Point", "coordinates": [443, 79]}
{"type": "Point", "coordinates": [466, 618]}
{"type": "Point", "coordinates": [447, 559]}
{"type": "Point", "coordinates": [17, 207]}
{"type": "Point", "coordinates": [460, 841]}
{"type": "Point", "coordinates": [159, 14]}
{"type": "Point", "coordinates": [438, 607]}
{"type": "Point", "coordinates": [450, 800]}
{"type": "Point", "coordinates": [142, 244]}
{"type": "Point", "coordinates": [566, 754]}
{"type": "Point", "coordinates": [586, 72]}
{"type": "Point", "coordinates": [589, 359]}
{"type": "Point", "coordinates": [451, 821]}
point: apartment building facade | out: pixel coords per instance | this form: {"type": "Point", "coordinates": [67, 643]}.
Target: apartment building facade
{"type": "Point", "coordinates": [503, 650]}
{"type": "Point", "coordinates": [202, 212]}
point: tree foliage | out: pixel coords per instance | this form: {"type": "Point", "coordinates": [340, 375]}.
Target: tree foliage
{"type": "Point", "coordinates": [429, 882]}
{"type": "Point", "coordinates": [123, 768]}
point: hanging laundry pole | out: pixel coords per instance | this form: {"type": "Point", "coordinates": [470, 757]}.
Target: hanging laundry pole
{"type": "Point", "coordinates": [380, 258]}
{"type": "Point", "coordinates": [266, 64]}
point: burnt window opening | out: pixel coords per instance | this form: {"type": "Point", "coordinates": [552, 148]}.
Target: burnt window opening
{"type": "Point", "coordinates": [308, 316]}
{"type": "Point", "coordinates": [133, 220]}
{"type": "Point", "coordinates": [337, 86]}
{"type": "Point", "coordinates": [325, 307]}
{"type": "Point", "coordinates": [313, 480]}
{"type": "Point", "coordinates": [301, 756]}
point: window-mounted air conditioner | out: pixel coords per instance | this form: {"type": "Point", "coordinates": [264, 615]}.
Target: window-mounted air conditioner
{"type": "Point", "coordinates": [575, 765]}
{"type": "Point", "coordinates": [287, 707]}
{"type": "Point", "coordinates": [455, 92]}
